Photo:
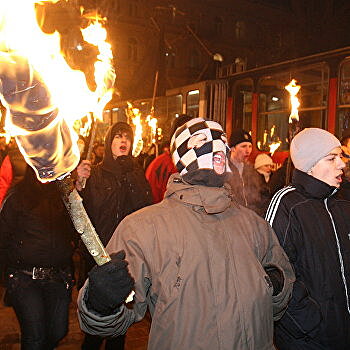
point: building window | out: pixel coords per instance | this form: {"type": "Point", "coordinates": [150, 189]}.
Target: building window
{"type": "Point", "coordinates": [218, 25]}
{"type": "Point", "coordinates": [240, 30]}
{"type": "Point", "coordinates": [132, 49]}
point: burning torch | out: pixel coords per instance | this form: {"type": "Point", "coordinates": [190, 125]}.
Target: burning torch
{"type": "Point", "coordinates": [43, 96]}
{"type": "Point", "coordinates": [294, 125]}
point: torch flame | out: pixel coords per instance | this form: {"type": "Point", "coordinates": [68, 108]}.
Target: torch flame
{"type": "Point", "coordinates": [274, 146]}
{"type": "Point", "coordinates": [293, 90]}
{"type": "Point", "coordinates": [152, 123]}
{"type": "Point", "coordinates": [43, 96]}
{"type": "Point", "coordinates": [135, 115]}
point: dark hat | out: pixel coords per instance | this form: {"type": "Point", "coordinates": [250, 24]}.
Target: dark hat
{"type": "Point", "coordinates": [239, 136]}
{"type": "Point", "coordinates": [179, 121]}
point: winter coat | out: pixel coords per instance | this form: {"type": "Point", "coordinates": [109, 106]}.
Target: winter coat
{"type": "Point", "coordinates": [35, 229]}
{"type": "Point", "coordinates": [109, 197]}
{"type": "Point", "coordinates": [246, 188]}
{"type": "Point", "coordinates": [313, 227]}
{"type": "Point", "coordinates": [198, 261]}
{"type": "Point", "coordinates": [116, 188]}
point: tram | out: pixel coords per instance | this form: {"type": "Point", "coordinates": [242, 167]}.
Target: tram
{"type": "Point", "coordinates": [256, 99]}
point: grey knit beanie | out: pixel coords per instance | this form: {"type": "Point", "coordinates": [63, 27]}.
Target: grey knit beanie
{"type": "Point", "coordinates": [311, 145]}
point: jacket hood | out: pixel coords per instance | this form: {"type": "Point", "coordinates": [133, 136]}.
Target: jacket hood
{"type": "Point", "coordinates": [108, 162]}
{"type": "Point", "coordinates": [213, 200]}
{"type": "Point", "coordinates": [311, 186]}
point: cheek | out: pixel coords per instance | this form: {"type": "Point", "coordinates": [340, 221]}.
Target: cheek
{"type": "Point", "coordinates": [115, 144]}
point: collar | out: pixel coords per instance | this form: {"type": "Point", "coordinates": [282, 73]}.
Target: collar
{"type": "Point", "coordinates": [213, 200]}
{"type": "Point", "coordinates": [310, 186]}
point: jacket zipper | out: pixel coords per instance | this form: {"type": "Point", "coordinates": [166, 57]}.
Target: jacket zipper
{"type": "Point", "coordinates": [339, 255]}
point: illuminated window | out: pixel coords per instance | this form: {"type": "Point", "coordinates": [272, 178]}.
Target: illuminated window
{"type": "Point", "coordinates": [192, 103]}
{"type": "Point", "coordinates": [174, 105]}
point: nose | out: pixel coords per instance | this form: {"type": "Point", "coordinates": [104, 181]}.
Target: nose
{"type": "Point", "coordinates": [341, 164]}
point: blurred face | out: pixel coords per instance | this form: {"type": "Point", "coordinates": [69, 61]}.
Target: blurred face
{"type": "Point", "coordinates": [99, 151]}
{"type": "Point", "coordinates": [267, 168]}
{"type": "Point", "coordinates": [241, 152]}
{"type": "Point", "coordinates": [218, 158]}
{"type": "Point", "coordinates": [329, 168]}
{"type": "Point", "coordinates": [121, 144]}
{"type": "Point", "coordinates": [219, 162]}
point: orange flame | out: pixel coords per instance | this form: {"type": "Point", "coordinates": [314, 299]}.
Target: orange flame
{"type": "Point", "coordinates": [293, 90]}
{"type": "Point", "coordinates": [274, 146]}
{"type": "Point", "coordinates": [152, 123]}
{"type": "Point", "coordinates": [135, 115]}
{"type": "Point", "coordinates": [43, 96]}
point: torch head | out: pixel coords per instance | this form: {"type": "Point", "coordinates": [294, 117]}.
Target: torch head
{"type": "Point", "coordinates": [43, 136]}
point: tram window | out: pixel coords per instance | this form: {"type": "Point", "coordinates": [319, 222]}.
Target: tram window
{"type": "Point", "coordinates": [344, 96]}
{"type": "Point", "coordinates": [242, 104]}
{"type": "Point", "coordinates": [343, 108]}
{"type": "Point", "coordinates": [274, 103]}
{"type": "Point", "coordinates": [192, 103]}
{"type": "Point", "coordinates": [174, 105]}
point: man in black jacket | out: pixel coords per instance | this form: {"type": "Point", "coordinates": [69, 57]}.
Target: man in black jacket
{"type": "Point", "coordinates": [37, 239]}
{"type": "Point", "coordinates": [114, 189]}
{"type": "Point", "coordinates": [313, 227]}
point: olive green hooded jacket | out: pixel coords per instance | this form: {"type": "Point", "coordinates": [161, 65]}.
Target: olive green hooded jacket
{"type": "Point", "coordinates": [198, 261]}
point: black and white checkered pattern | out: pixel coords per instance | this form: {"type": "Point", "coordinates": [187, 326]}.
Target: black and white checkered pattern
{"type": "Point", "coordinates": [189, 159]}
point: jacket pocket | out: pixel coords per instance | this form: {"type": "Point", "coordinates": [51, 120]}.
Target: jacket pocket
{"type": "Point", "coordinates": [303, 316]}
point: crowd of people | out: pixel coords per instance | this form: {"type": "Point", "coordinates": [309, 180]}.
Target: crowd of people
{"type": "Point", "coordinates": [217, 247]}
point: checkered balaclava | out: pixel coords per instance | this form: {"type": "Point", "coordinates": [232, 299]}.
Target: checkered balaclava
{"type": "Point", "coordinates": [188, 158]}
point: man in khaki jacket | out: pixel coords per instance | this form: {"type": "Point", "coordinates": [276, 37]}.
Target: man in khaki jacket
{"type": "Point", "coordinates": [211, 272]}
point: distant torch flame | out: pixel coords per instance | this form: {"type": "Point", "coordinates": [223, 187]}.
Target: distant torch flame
{"type": "Point", "coordinates": [152, 123]}
{"type": "Point", "coordinates": [293, 90]}
{"type": "Point", "coordinates": [274, 146]}
{"type": "Point", "coordinates": [42, 94]}
{"type": "Point", "coordinates": [135, 115]}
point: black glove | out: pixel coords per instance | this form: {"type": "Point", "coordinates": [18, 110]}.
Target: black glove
{"type": "Point", "coordinates": [109, 285]}
{"type": "Point", "coordinates": [276, 278]}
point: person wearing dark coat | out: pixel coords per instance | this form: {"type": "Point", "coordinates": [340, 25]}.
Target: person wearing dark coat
{"type": "Point", "coordinates": [312, 225]}
{"type": "Point", "coordinates": [115, 188]}
{"type": "Point", "coordinates": [37, 240]}
{"type": "Point", "coordinates": [263, 166]}
{"type": "Point", "coordinates": [243, 179]}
